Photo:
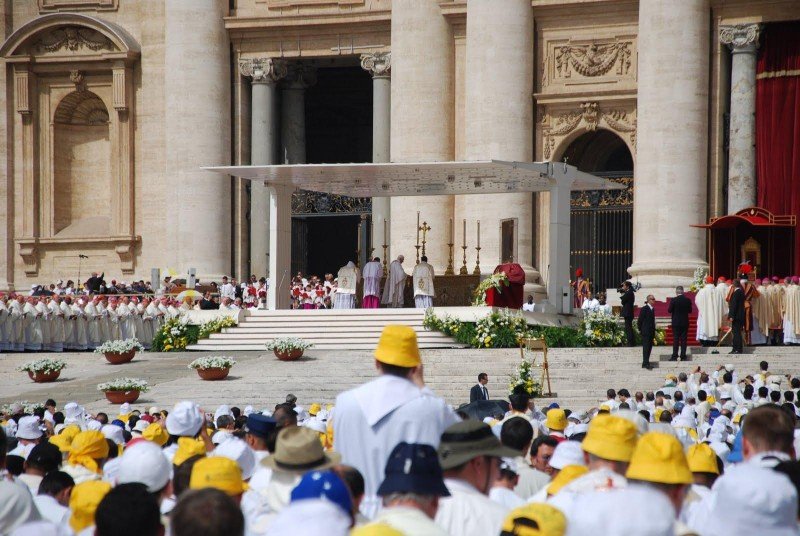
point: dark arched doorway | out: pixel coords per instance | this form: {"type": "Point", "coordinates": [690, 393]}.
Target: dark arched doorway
{"type": "Point", "coordinates": [602, 221]}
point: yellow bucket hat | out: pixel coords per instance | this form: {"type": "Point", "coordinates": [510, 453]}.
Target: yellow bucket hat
{"type": "Point", "coordinates": [535, 519]}
{"type": "Point", "coordinates": [398, 347]}
{"type": "Point", "coordinates": [188, 447]}
{"type": "Point", "coordinates": [611, 438]}
{"type": "Point", "coordinates": [156, 433]}
{"type": "Point", "coordinates": [375, 529]}
{"type": "Point", "coordinates": [556, 420]}
{"type": "Point", "coordinates": [62, 441]}
{"type": "Point", "coordinates": [219, 473]}
{"type": "Point", "coordinates": [314, 409]}
{"type": "Point", "coordinates": [565, 476]}
{"type": "Point", "coordinates": [702, 459]}
{"type": "Point", "coordinates": [84, 501]}
{"type": "Point", "coordinates": [659, 458]}
{"type": "Point", "coordinates": [87, 448]}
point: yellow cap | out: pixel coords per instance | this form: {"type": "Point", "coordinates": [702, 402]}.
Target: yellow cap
{"type": "Point", "coordinates": [62, 441]}
{"type": "Point", "coordinates": [187, 448]}
{"type": "Point", "coordinates": [556, 420]}
{"type": "Point", "coordinates": [156, 433]}
{"type": "Point", "coordinates": [671, 377]}
{"type": "Point", "coordinates": [702, 459]}
{"type": "Point", "coordinates": [71, 431]}
{"type": "Point", "coordinates": [659, 411]}
{"type": "Point", "coordinates": [605, 407]}
{"type": "Point", "coordinates": [219, 473]}
{"type": "Point", "coordinates": [711, 400]}
{"type": "Point", "coordinates": [375, 529]}
{"type": "Point", "coordinates": [659, 458]}
{"type": "Point", "coordinates": [565, 476]}
{"type": "Point", "coordinates": [535, 519]}
{"type": "Point", "coordinates": [84, 501]}
{"type": "Point", "coordinates": [611, 438]}
{"type": "Point", "coordinates": [87, 448]}
{"type": "Point", "coordinates": [398, 347]}
{"type": "Point", "coordinates": [314, 409]}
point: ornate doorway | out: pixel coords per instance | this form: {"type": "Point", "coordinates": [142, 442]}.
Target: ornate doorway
{"type": "Point", "coordinates": [602, 221]}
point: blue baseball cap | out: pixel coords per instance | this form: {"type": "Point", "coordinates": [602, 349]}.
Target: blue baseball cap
{"type": "Point", "coordinates": [260, 425]}
{"type": "Point", "coordinates": [323, 485]}
{"type": "Point", "coordinates": [413, 468]}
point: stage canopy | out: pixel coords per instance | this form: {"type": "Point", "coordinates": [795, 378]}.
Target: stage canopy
{"type": "Point", "coordinates": [423, 178]}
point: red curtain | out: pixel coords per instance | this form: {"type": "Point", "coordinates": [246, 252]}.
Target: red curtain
{"type": "Point", "coordinates": [778, 123]}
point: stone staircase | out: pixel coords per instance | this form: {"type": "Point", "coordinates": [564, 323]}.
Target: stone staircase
{"type": "Point", "coordinates": [349, 329]}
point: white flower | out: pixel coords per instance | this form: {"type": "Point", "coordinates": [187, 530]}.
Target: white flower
{"type": "Point", "coordinates": [212, 361]}
{"type": "Point", "coordinates": [119, 347]}
{"type": "Point", "coordinates": [287, 344]}
{"type": "Point", "coordinates": [124, 384]}
{"type": "Point", "coordinates": [46, 365]}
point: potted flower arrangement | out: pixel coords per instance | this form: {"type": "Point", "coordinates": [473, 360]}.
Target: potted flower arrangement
{"type": "Point", "coordinates": [44, 370]}
{"type": "Point", "coordinates": [121, 390]}
{"type": "Point", "coordinates": [118, 352]}
{"type": "Point", "coordinates": [288, 348]}
{"type": "Point", "coordinates": [213, 367]}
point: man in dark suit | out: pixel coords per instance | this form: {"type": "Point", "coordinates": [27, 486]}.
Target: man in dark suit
{"type": "Point", "coordinates": [736, 314]}
{"type": "Point", "coordinates": [93, 283]}
{"type": "Point", "coordinates": [679, 307]}
{"type": "Point", "coordinates": [207, 303]}
{"type": "Point", "coordinates": [627, 300]}
{"type": "Point", "coordinates": [647, 327]}
{"type": "Point", "coordinates": [479, 391]}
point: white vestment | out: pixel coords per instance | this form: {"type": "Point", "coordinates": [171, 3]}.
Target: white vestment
{"type": "Point", "coordinates": [370, 420]}
{"type": "Point", "coordinates": [114, 331]}
{"type": "Point", "coordinates": [791, 316]}
{"type": "Point", "coordinates": [79, 328]}
{"type": "Point", "coordinates": [103, 323]}
{"type": "Point", "coordinates": [123, 321]}
{"type": "Point", "coordinates": [423, 285]}
{"type": "Point", "coordinates": [347, 277]}
{"type": "Point", "coordinates": [45, 323]}
{"type": "Point", "coordinates": [395, 285]}
{"type": "Point", "coordinates": [16, 326]}
{"type": "Point", "coordinates": [5, 317]}
{"type": "Point", "coordinates": [33, 328]}
{"type": "Point", "coordinates": [149, 323]}
{"type": "Point", "coordinates": [711, 311]}
{"type": "Point", "coordinates": [57, 334]}
{"type": "Point", "coordinates": [93, 331]}
{"type": "Point", "coordinates": [373, 271]}
{"type": "Point", "coordinates": [69, 325]}
{"type": "Point", "coordinates": [468, 512]}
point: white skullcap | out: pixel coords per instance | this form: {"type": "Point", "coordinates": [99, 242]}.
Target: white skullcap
{"type": "Point", "coordinates": [222, 410]}
{"type": "Point", "coordinates": [749, 499]}
{"type": "Point", "coordinates": [632, 510]}
{"type": "Point", "coordinates": [94, 424]}
{"type": "Point", "coordinates": [114, 433]}
{"type": "Point", "coordinates": [28, 428]}
{"type": "Point", "coordinates": [144, 462]}
{"type": "Point", "coordinates": [240, 452]}
{"type": "Point", "coordinates": [567, 453]}
{"type": "Point", "coordinates": [185, 419]}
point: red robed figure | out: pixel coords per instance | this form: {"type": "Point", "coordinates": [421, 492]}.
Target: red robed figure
{"type": "Point", "coordinates": [511, 296]}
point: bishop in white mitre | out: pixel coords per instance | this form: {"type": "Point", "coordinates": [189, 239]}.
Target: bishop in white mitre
{"type": "Point", "coordinates": [395, 284]}
{"type": "Point", "coordinates": [423, 284]}
{"type": "Point", "coordinates": [373, 271]}
{"type": "Point", "coordinates": [347, 278]}
{"type": "Point", "coordinates": [710, 313]}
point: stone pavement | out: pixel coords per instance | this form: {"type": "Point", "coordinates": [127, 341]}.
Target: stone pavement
{"type": "Point", "coordinates": [580, 376]}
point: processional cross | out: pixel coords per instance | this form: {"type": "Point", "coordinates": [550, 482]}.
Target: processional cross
{"type": "Point", "coordinates": [424, 228]}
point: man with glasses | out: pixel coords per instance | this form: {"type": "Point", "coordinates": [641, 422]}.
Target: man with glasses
{"type": "Point", "coordinates": [647, 327]}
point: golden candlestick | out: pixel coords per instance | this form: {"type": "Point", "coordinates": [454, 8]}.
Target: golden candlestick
{"type": "Point", "coordinates": [417, 246]}
{"type": "Point", "coordinates": [450, 270]}
{"type": "Point", "coordinates": [385, 270]}
{"type": "Point", "coordinates": [464, 270]}
{"type": "Point", "coordinates": [477, 270]}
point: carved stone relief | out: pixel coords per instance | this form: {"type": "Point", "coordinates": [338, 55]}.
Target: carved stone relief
{"type": "Point", "coordinates": [568, 62]}
{"type": "Point", "coordinates": [73, 38]}
{"type": "Point", "coordinates": [76, 5]}
{"type": "Point", "coordinates": [590, 116]}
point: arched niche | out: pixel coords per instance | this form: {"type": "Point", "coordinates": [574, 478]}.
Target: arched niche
{"type": "Point", "coordinates": [597, 151]}
{"type": "Point", "coordinates": [59, 61]}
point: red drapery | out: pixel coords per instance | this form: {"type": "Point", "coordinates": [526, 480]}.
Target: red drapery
{"type": "Point", "coordinates": [778, 122]}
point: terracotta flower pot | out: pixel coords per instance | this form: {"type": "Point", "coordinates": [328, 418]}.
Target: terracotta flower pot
{"type": "Point", "coordinates": [120, 397]}
{"type": "Point", "coordinates": [44, 377]}
{"type": "Point", "coordinates": [291, 355]}
{"type": "Point", "coordinates": [117, 359]}
{"type": "Point", "coordinates": [212, 374]}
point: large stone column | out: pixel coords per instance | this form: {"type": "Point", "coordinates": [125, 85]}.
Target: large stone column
{"type": "Point", "coordinates": [498, 122]}
{"type": "Point", "coordinates": [264, 74]}
{"type": "Point", "coordinates": [379, 65]}
{"type": "Point", "coordinates": [672, 143]}
{"type": "Point", "coordinates": [743, 41]}
{"type": "Point", "coordinates": [422, 120]}
{"type": "Point", "coordinates": [197, 133]}
{"type": "Point", "coordinates": [293, 113]}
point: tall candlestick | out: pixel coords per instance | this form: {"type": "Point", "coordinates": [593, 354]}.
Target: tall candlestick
{"type": "Point", "coordinates": [452, 240]}
{"type": "Point", "coordinates": [384, 231]}
{"type": "Point", "coordinates": [464, 240]}
{"type": "Point", "coordinates": [479, 233]}
{"type": "Point", "coordinates": [418, 227]}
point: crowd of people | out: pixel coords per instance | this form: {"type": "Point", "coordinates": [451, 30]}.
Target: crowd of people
{"type": "Point", "coordinates": [709, 453]}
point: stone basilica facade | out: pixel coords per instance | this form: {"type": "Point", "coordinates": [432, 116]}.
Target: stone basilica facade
{"type": "Point", "coordinates": [113, 106]}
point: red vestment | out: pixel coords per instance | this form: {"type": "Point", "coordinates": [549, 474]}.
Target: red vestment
{"type": "Point", "coordinates": [510, 296]}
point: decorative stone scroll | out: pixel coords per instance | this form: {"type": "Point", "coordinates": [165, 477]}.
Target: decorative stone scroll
{"type": "Point", "coordinates": [72, 39]}
{"type": "Point", "coordinates": [590, 116]}
{"type": "Point", "coordinates": [263, 70]}
{"type": "Point", "coordinates": [378, 64]}
{"type": "Point", "coordinates": [740, 35]}
{"type": "Point", "coordinates": [593, 59]}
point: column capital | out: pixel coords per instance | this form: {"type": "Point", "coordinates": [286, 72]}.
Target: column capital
{"type": "Point", "coordinates": [740, 37]}
{"type": "Point", "coordinates": [300, 76]}
{"type": "Point", "coordinates": [379, 64]}
{"type": "Point", "coordinates": [263, 70]}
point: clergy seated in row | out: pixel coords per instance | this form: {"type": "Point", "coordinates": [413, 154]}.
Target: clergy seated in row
{"type": "Point", "coordinates": [508, 296]}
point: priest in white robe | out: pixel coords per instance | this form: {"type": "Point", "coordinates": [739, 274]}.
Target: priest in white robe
{"type": "Point", "coordinates": [136, 324]}
{"type": "Point", "coordinates": [395, 284]}
{"type": "Point", "coordinates": [34, 338]}
{"type": "Point", "coordinates": [347, 278]}
{"type": "Point", "coordinates": [373, 272]}
{"type": "Point", "coordinates": [17, 319]}
{"type": "Point", "coordinates": [422, 275]}
{"type": "Point", "coordinates": [79, 329]}
{"type": "Point", "coordinates": [150, 319]}
{"type": "Point", "coordinates": [57, 331]}
{"type": "Point", "coordinates": [94, 332]}
{"type": "Point", "coordinates": [791, 315]}
{"type": "Point", "coordinates": [102, 321]}
{"type": "Point", "coordinates": [759, 307]}
{"type": "Point", "coordinates": [68, 318]}
{"type": "Point", "coordinates": [114, 331]}
{"type": "Point", "coordinates": [5, 316]}
{"type": "Point", "coordinates": [123, 319]}
{"type": "Point", "coordinates": [710, 313]}
{"type": "Point", "coordinates": [45, 324]}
